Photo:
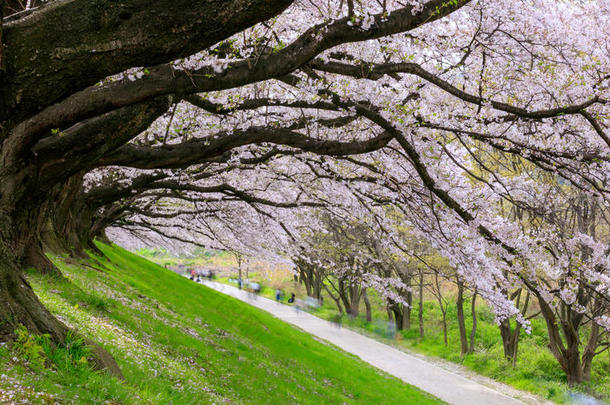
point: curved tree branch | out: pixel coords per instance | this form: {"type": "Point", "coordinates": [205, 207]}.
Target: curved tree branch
{"type": "Point", "coordinates": [164, 79]}
{"type": "Point", "coordinates": [199, 150]}
{"type": "Point", "coordinates": [76, 43]}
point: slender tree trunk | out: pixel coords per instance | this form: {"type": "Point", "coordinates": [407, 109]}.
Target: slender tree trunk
{"type": "Point", "coordinates": [460, 318]}
{"type": "Point", "coordinates": [343, 294]}
{"type": "Point", "coordinates": [304, 278]}
{"type": "Point", "coordinates": [395, 313]}
{"type": "Point", "coordinates": [589, 352]}
{"type": "Point", "coordinates": [510, 339]}
{"type": "Point", "coordinates": [420, 311]}
{"type": "Point", "coordinates": [444, 311]}
{"type": "Point", "coordinates": [308, 289]}
{"type": "Point", "coordinates": [356, 294]}
{"type": "Point", "coordinates": [318, 285]}
{"type": "Point", "coordinates": [406, 311]}
{"type": "Point", "coordinates": [240, 279]}
{"type": "Point", "coordinates": [473, 331]}
{"type": "Point", "coordinates": [338, 303]}
{"type": "Point", "coordinates": [367, 304]}
{"type": "Point", "coordinates": [337, 300]}
{"type": "Point", "coordinates": [406, 317]}
{"type": "Point", "coordinates": [443, 308]}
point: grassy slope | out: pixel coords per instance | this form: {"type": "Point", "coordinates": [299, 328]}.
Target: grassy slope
{"type": "Point", "coordinates": [179, 342]}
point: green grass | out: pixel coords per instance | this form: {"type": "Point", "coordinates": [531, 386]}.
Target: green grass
{"type": "Point", "coordinates": [179, 342]}
{"type": "Point", "coordinates": [198, 258]}
{"type": "Point", "coordinates": [536, 370]}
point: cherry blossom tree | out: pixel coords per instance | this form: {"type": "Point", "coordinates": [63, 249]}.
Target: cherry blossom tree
{"type": "Point", "coordinates": [161, 117]}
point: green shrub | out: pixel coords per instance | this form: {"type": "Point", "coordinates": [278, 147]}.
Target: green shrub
{"type": "Point", "coordinates": [27, 349]}
{"type": "Point", "coordinates": [72, 354]}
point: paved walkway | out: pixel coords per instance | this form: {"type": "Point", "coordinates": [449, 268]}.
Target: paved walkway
{"type": "Point", "coordinates": [450, 387]}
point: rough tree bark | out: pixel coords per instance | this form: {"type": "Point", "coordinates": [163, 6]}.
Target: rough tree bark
{"type": "Point", "coordinates": [56, 51]}
{"type": "Point", "coordinates": [87, 40]}
{"type": "Point", "coordinates": [18, 303]}
{"type": "Point", "coordinates": [64, 217]}
{"type": "Point", "coordinates": [2, 3]}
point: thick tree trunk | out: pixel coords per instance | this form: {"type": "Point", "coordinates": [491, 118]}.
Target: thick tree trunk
{"type": "Point", "coordinates": [2, 4]}
{"type": "Point", "coordinates": [35, 257]}
{"type": "Point", "coordinates": [65, 223]}
{"type": "Point", "coordinates": [23, 215]}
{"type": "Point", "coordinates": [399, 314]}
{"type": "Point", "coordinates": [573, 369]}
{"type": "Point", "coordinates": [27, 222]}
{"type": "Point", "coordinates": [20, 306]}
{"type": "Point", "coordinates": [338, 303]}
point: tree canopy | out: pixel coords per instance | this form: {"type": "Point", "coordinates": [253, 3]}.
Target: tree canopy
{"type": "Point", "coordinates": [477, 128]}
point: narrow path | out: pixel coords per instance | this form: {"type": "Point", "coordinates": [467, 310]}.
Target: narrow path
{"type": "Point", "coordinates": [450, 387]}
